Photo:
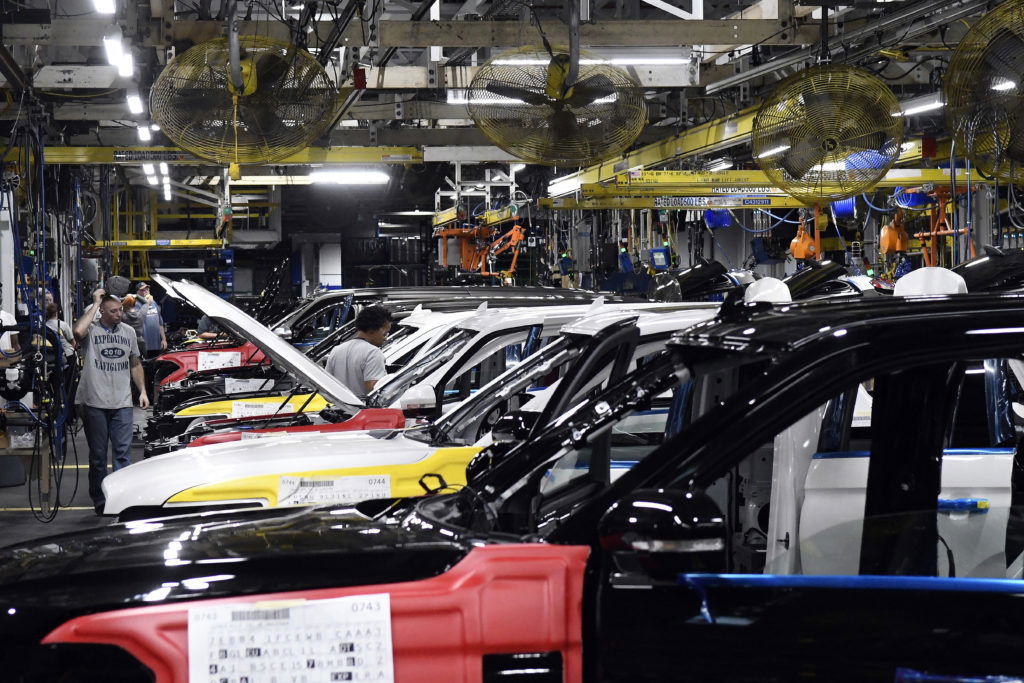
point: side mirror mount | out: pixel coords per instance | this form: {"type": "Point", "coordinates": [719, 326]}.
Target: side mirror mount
{"type": "Point", "coordinates": [417, 400]}
{"type": "Point", "coordinates": [513, 427]}
{"type": "Point", "coordinates": [663, 533]}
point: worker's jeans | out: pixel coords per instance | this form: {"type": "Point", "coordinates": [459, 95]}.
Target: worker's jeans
{"type": "Point", "coordinates": [103, 425]}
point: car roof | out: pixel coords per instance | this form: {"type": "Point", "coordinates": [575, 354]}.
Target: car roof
{"type": "Point", "coordinates": [594, 323]}
{"type": "Point", "coordinates": [764, 328]}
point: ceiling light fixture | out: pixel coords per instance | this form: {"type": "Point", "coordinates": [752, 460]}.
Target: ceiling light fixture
{"type": "Point", "coordinates": [461, 96]}
{"type": "Point", "coordinates": [133, 100]}
{"type": "Point", "coordinates": [126, 65]}
{"type": "Point", "coordinates": [144, 135]}
{"type": "Point", "coordinates": [1003, 84]}
{"type": "Point", "coordinates": [919, 105]}
{"type": "Point", "coordinates": [104, 6]}
{"type": "Point", "coordinates": [773, 151]}
{"type": "Point", "coordinates": [167, 192]}
{"type": "Point", "coordinates": [148, 169]}
{"type": "Point", "coordinates": [112, 46]}
{"type": "Point", "coordinates": [616, 61]}
{"type": "Point", "coordinates": [163, 168]}
{"type": "Point", "coordinates": [152, 179]}
{"type": "Point", "coordinates": [516, 168]}
{"type": "Point", "coordinates": [350, 177]}
{"type": "Point", "coordinates": [719, 164]}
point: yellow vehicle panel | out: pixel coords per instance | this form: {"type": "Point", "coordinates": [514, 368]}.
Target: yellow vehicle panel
{"type": "Point", "coordinates": [403, 480]}
{"type": "Point", "coordinates": [249, 406]}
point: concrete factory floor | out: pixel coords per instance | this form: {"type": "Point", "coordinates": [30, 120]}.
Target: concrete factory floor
{"type": "Point", "coordinates": [18, 522]}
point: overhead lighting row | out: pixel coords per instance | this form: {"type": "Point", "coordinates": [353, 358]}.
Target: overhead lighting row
{"type": "Point", "coordinates": [164, 178]}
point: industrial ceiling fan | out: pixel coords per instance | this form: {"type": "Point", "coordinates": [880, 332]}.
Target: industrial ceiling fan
{"type": "Point", "coordinates": [826, 133]}
{"type": "Point", "coordinates": [544, 106]}
{"type": "Point", "coordinates": [984, 89]}
{"type": "Point", "coordinates": [243, 100]}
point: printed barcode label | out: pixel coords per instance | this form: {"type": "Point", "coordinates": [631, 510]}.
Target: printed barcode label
{"type": "Point", "coordinates": [317, 490]}
{"type": "Point", "coordinates": [315, 641]}
{"type": "Point", "coordinates": [260, 614]}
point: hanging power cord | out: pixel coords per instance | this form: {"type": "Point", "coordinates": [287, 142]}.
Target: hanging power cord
{"type": "Point", "coordinates": [45, 374]}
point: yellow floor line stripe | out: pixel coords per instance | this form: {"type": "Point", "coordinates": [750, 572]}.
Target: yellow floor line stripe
{"type": "Point", "coordinates": [30, 509]}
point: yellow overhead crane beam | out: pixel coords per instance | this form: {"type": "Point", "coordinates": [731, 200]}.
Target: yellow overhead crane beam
{"type": "Point", "coordinates": [174, 155]}
{"type": "Point", "coordinates": [665, 184]}
{"type": "Point", "coordinates": [705, 139]}
{"type": "Point", "coordinates": [143, 245]}
{"type": "Point", "coordinates": [669, 202]}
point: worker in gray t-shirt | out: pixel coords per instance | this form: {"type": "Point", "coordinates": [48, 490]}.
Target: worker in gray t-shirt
{"type": "Point", "coordinates": [111, 358]}
{"type": "Point", "coordinates": [359, 363]}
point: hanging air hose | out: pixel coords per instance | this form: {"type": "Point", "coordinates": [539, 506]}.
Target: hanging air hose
{"type": "Point", "coordinates": [716, 219]}
{"type": "Point", "coordinates": [845, 209]}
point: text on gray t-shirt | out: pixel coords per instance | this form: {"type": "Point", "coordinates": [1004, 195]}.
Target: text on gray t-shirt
{"type": "Point", "coordinates": [106, 370]}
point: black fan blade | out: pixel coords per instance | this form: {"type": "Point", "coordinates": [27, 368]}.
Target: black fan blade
{"type": "Point", "coordinates": [516, 93]}
{"type": "Point", "coordinates": [801, 158]}
{"type": "Point", "coordinates": [564, 124]}
{"type": "Point", "coordinates": [590, 90]}
{"type": "Point", "coordinates": [270, 69]}
{"type": "Point", "coordinates": [261, 120]}
{"type": "Point", "coordinates": [870, 140]}
{"type": "Point", "coordinates": [1004, 58]}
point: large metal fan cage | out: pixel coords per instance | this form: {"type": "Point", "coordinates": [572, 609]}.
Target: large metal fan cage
{"type": "Point", "coordinates": [291, 106]}
{"type": "Point", "coordinates": [984, 89]}
{"type": "Point", "coordinates": [603, 128]}
{"type": "Point", "coordinates": [828, 133]}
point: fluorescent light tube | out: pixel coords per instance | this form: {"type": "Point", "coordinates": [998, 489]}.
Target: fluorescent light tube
{"type": "Point", "coordinates": [152, 179]}
{"type": "Point", "coordinates": [921, 108]}
{"type": "Point", "coordinates": [919, 105]}
{"type": "Point", "coordinates": [163, 168]}
{"type": "Point", "coordinates": [126, 66]}
{"type": "Point", "coordinates": [113, 47]}
{"type": "Point", "coordinates": [350, 177]}
{"type": "Point", "coordinates": [148, 169]}
{"type": "Point", "coordinates": [133, 100]}
{"type": "Point", "coordinates": [460, 96]}
{"type": "Point", "coordinates": [144, 135]}
{"type": "Point", "coordinates": [167, 192]}
{"type": "Point", "coordinates": [104, 6]}
{"type": "Point", "coordinates": [773, 151]}
{"type": "Point", "coordinates": [719, 164]}
{"type": "Point", "coordinates": [516, 168]}
{"type": "Point", "coordinates": [617, 61]}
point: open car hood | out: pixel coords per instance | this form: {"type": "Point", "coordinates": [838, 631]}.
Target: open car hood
{"type": "Point", "coordinates": [245, 327]}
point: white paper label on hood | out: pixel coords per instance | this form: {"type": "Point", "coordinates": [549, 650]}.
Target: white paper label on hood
{"type": "Point", "coordinates": [317, 490]}
{"type": "Point", "coordinates": [215, 360]}
{"type": "Point", "coordinates": [343, 639]}
{"type": "Point", "coordinates": [237, 386]}
{"type": "Point", "coordinates": [251, 409]}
